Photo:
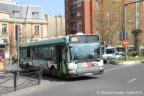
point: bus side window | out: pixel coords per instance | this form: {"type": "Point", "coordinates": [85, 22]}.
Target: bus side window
{"type": "Point", "coordinates": [28, 53]}
{"type": "Point", "coordinates": [47, 54]}
{"type": "Point", "coordinates": [64, 54]}
{"type": "Point", "coordinates": [21, 53]}
{"type": "Point", "coordinates": [41, 52]}
{"type": "Point", "coordinates": [24, 53]}
{"type": "Point", "coordinates": [53, 53]}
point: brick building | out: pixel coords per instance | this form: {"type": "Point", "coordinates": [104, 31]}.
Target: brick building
{"type": "Point", "coordinates": [103, 17]}
{"type": "Point", "coordinates": [29, 20]}
{"type": "Point", "coordinates": [78, 16]}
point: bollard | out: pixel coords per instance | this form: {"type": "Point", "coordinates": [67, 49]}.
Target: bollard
{"type": "Point", "coordinates": [15, 81]}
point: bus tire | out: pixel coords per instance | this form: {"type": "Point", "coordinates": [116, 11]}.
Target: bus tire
{"type": "Point", "coordinates": [53, 72]}
{"type": "Point", "coordinates": [27, 66]}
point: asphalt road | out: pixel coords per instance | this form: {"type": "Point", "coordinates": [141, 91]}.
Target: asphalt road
{"type": "Point", "coordinates": [116, 81]}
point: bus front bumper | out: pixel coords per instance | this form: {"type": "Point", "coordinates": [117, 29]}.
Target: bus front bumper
{"type": "Point", "coordinates": [86, 71]}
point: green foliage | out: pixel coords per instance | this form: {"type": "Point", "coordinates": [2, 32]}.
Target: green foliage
{"type": "Point", "coordinates": [122, 54]}
{"type": "Point", "coordinates": [129, 59]}
{"type": "Point", "coordinates": [136, 33]}
{"type": "Point", "coordinates": [133, 53]}
{"type": "Point", "coordinates": [142, 53]}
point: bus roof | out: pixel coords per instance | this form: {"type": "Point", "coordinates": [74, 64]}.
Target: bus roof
{"type": "Point", "coordinates": [60, 39]}
{"type": "Point", "coordinates": [44, 42]}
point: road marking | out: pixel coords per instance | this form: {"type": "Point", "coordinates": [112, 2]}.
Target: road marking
{"type": "Point", "coordinates": [111, 69]}
{"type": "Point", "coordinates": [114, 68]}
{"type": "Point", "coordinates": [132, 80]}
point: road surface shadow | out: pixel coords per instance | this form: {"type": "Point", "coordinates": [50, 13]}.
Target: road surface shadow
{"type": "Point", "coordinates": [47, 77]}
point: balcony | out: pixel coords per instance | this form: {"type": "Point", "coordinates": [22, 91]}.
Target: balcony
{"type": "Point", "coordinates": [72, 10]}
{"type": "Point", "coordinates": [73, 28]}
{"type": "Point", "coordinates": [72, 20]}
{"type": "Point", "coordinates": [72, 3]}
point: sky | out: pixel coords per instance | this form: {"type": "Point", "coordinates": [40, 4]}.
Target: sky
{"type": "Point", "coordinates": [50, 7]}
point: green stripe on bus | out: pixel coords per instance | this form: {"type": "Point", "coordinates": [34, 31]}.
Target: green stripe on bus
{"type": "Point", "coordinates": [63, 67]}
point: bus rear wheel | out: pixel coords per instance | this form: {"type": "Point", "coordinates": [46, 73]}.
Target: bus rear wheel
{"type": "Point", "coordinates": [53, 72]}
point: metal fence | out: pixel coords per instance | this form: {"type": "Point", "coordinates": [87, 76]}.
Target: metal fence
{"type": "Point", "coordinates": [12, 81]}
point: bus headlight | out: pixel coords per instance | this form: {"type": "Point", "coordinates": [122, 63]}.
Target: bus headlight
{"type": "Point", "coordinates": [100, 64]}
{"type": "Point", "coordinates": [72, 66]}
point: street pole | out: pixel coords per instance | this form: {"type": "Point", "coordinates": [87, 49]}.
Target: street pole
{"type": "Point", "coordinates": [18, 41]}
{"type": "Point", "coordinates": [61, 26]}
{"type": "Point", "coordinates": [124, 13]}
{"type": "Point", "coordinates": [136, 20]}
{"type": "Point", "coordinates": [136, 16]}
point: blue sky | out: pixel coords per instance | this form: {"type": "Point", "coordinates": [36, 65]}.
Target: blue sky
{"type": "Point", "coordinates": [50, 7]}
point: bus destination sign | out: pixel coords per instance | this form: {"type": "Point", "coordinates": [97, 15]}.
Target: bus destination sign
{"type": "Point", "coordinates": [85, 38]}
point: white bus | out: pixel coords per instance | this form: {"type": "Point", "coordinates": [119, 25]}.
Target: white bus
{"type": "Point", "coordinates": [69, 56]}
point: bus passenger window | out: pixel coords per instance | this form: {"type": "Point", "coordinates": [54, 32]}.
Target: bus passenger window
{"type": "Point", "coordinates": [53, 53]}
{"type": "Point", "coordinates": [63, 55]}
{"type": "Point", "coordinates": [28, 53]}
{"type": "Point", "coordinates": [46, 53]}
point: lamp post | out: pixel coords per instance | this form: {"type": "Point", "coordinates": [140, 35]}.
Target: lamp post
{"type": "Point", "coordinates": [124, 14]}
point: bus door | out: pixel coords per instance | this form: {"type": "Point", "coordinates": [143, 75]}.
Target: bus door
{"type": "Point", "coordinates": [61, 59]}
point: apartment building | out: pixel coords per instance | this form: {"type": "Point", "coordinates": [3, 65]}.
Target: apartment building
{"type": "Point", "coordinates": [56, 26]}
{"type": "Point", "coordinates": [103, 17]}
{"type": "Point", "coordinates": [29, 20]}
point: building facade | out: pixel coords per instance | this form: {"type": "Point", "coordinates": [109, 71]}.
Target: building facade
{"type": "Point", "coordinates": [104, 17]}
{"type": "Point", "coordinates": [29, 21]}
{"type": "Point", "coordinates": [78, 16]}
{"type": "Point", "coordinates": [56, 26]}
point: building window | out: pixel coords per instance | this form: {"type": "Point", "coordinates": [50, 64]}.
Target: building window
{"type": "Point", "coordinates": [16, 14]}
{"type": "Point", "coordinates": [107, 13]}
{"type": "Point", "coordinates": [97, 4]}
{"type": "Point", "coordinates": [130, 36]}
{"type": "Point", "coordinates": [97, 22]}
{"type": "Point", "coordinates": [129, 22]}
{"type": "Point", "coordinates": [97, 32]}
{"type": "Point", "coordinates": [129, 14]}
{"type": "Point", "coordinates": [79, 23]}
{"type": "Point", "coordinates": [119, 37]}
{"type": "Point", "coordinates": [79, 26]}
{"type": "Point", "coordinates": [117, 14]}
{"type": "Point", "coordinates": [36, 30]}
{"type": "Point", "coordinates": [118, 22]}
{"type": "Point", "coordinates": [79, 4]}
{"type": "Point", "coordinates": [108, 22]}
{"type": "Point", "coordinates": [138, 13]}
{"type": "Point", "coordinates": [35, 14]}
{"type": "Point", "coordinates": [4, 29]}
{"type": "Point", "coordinates": [79, 13]}
{"type": "Point", "coordinates": [108, 31]}
{"type": "Point", "coordinates": [97, 13]}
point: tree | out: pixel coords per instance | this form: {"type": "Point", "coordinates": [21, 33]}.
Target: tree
{"type": "Point", "coordinates": [136, 34]}
{"type": "Point", "coordinates": [111, 23]}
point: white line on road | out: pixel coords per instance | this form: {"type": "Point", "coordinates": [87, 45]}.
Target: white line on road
{"type": "Point", "coordinates": [132, 80]}
{"type": "Point", "coordinates": [114, 68]}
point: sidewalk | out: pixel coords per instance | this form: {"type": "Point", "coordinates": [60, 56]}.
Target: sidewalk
{"type": "Point", "coordinates": [8, 79]}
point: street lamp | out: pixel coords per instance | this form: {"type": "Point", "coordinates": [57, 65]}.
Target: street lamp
{"type": "Point", "coordinates": [124, 7]}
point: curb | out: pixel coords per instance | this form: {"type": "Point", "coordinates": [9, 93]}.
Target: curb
{"type": "Point", "coordinates": [142, 61]}
{"type": "Point", "coordinates": [127, 62]}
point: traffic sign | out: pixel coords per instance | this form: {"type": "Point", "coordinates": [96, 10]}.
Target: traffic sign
{"type": "Point", "coordinates": [125, 42]}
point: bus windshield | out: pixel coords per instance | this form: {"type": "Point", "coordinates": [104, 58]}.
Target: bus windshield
{"type": "Point", "coordinates": [84, 51]}
{"type": "Point", "coordinates": [110, 50]}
